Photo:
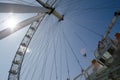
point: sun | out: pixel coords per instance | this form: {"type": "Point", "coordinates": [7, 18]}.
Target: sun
{"type": "Point", "coordinates": [11, 22]}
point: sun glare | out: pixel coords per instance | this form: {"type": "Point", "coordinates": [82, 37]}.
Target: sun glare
{"type": "Point", "coordinates": [28, 50]}
{"type": "Point", "coordinates": [11, 22]}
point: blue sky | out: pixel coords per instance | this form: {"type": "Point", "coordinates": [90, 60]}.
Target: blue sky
{"type": "Point", "coordinates": [84, 24]}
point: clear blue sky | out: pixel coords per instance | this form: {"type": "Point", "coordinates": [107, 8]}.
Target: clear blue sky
{"type": "Point", "coordinates": [85, 21]}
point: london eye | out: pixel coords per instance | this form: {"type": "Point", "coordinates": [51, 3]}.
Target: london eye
{"type": "Point", "coordinates": [53, 39]}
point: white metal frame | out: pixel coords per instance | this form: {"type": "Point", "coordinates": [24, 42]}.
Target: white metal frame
{"type": "Point", "coordinates": [14, 73]}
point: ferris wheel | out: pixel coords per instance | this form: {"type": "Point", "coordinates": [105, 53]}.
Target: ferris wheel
{"type": "Point", "coordinates": [61, 37]}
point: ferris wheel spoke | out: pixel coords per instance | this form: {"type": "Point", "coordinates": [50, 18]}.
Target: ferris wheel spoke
{"type": "Point", "coordinates": [35, 49]}
{"type": "Point", "coordinates": [66, 9]}
{"type": "Point", "coordinates": [91, 9]}
{"type": "Point", "coordinates": [80, 38]}
{"type": "Point", "coordinates": [54, 63]}
{"type": "Point", "coordinates": [38, 60]}
{"type": "Point", "coordinates": [86, 28]}
{"type": "Point", "coordinates": [51, 40]}
{"type": "Point", "coordinates": [98, 10]}
{"type": "Point", "coordinates": [51, 2]}
{"type": "Point", "coordinates": [42, 42]}
{"type": "Point", "coordinates": [66, 56]}
{"type": "Point", "coordinates": [55, 68]}
{"type": "Point", "coordinates": [51, 43]}
{"type": "Point", "coordinates": [34, 46]}
{"type": "Point", "coordinates": [56, 54]}
{"type": "Point", "coordinates": [58, 2]}
{"type": "Point", "coordinates": [61, 51]}
{"type": "Point", "coordinates": [44, 67]}
{"type": "Point", "coordinates": [72, 51]}
{"type": "Point", "coordinates": [51, 73]}
{"type": "Point", "coordinates": [84, 45]}
{"type": "Point", "coordinates": [66, 59]}
{"type": "Point", "coordinates": [16, 65]}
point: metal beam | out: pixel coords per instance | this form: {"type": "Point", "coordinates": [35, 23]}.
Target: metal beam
{"type": "Point", "coordinates": [51, 10]}
{"type": "Point", "coordinates": [6, 32]}
{"type": "Point", "coordinates": [20, 8]}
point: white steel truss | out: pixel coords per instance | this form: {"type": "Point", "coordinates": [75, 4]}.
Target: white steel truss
{"type": "Point", "coordinates": [14, 73]}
